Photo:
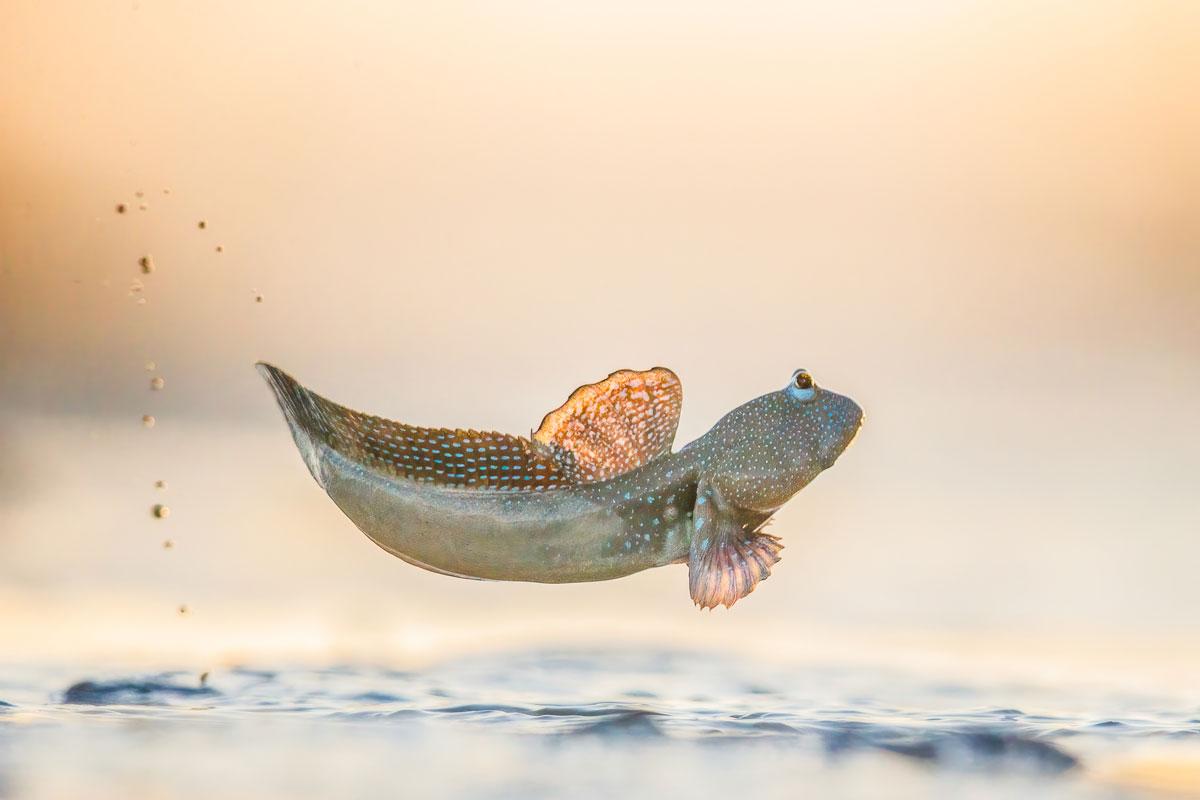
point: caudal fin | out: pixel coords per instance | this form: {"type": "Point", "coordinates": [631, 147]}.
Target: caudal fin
{"type": "Point", "coordinates": [305, 414]}
{"type": "Point", "coordinates": [460, 458]}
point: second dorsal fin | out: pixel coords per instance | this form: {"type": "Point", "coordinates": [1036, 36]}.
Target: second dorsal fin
{"type": "Point", "coordinates": [612, 426]}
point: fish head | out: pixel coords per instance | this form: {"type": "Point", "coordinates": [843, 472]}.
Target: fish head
{"type": "Point", "coordinates": [771, 447]}
{"type": "Point", "coordinates": [820, 423]}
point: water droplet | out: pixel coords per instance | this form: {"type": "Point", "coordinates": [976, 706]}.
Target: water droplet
{"type": "Point", "coordinates": [140, 193]}
{"type": "Point", "coordinates": [160, 484]}
{"type": "Point", "coordinates": [258, 298]}
{"type": "Point", "coordinates": [142, 206]}
{"type": "Point", "coordinates": [120, 208]}
{"type": "Point", "coordinates": [183, 609]}
{"type": "Point", "coordinates": [151, 366]}
{"type": "Point", "coordinates": [220, 248]}
{"type": "Point", "coordinates": [166, 191]}
{"type": "Point", "coordinates": [160, 511]}
{"type": "Point", "coordinates": [157, 383]}
{"type": "Point", "coordinates": [168, 544]}
{"type": "Point", "coordinates": [202, 224]}
{"type": "Point", "coordinates": [148, 420]}
{"type": "Point", "coordinates": [146, 262]}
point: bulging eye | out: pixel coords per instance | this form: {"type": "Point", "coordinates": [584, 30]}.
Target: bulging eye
{"type": "Point", "coordinates": [802, 386]}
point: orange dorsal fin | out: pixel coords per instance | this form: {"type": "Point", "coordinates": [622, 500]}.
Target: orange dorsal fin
{"type": "Point", "coordinates": [613, 426]}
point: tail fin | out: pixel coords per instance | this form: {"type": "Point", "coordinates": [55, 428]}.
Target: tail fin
{"type": "Point", "coordinates": [305, 415]}
{"type": "Point", "coordinates": [435, 456]}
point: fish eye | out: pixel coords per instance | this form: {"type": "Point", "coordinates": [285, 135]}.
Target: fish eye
{"type": "Point", "coordinates": [802, 386]}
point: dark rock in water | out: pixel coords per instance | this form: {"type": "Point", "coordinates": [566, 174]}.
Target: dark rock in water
{"type": "Point", "coordinates": [983, 748]}
{"type": "Point", "coordinates": [629, 723]}
{"type": "Point", "coordinates": [592, 710]}
{"type": "Point", "coordinates": [250, 672]}
{"type": "Point", "coordinates": [148, 692]}
{"type": "Point", "coordinates": [1036, 753]}
{"type": "Point", "coordinates": [844, 738]}
{"type": "Point", "coordinates": [476, 708]}
{"type": "Point", "coordinates": [921, 749]}
{"type": "Point", "coordinates": [377, 697]}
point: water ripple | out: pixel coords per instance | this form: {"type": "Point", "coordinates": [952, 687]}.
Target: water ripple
{"type": "Point", "coordinates": [670, 702]}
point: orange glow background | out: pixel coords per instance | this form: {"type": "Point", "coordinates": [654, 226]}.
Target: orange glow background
{"type": "Point", "coordinates": [980, 220]}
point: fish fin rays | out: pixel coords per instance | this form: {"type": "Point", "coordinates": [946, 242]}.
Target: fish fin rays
{"type": "Point", "coordinates": [727, 559]}
{"type": "Point", "coordinates": [457, 458]}
{"type": "Point", "coordinates": [732, 568]}
{"type": "Point", "coordinates": [303, 413]}
{"type": "Point", "coordinates": [613, 426]}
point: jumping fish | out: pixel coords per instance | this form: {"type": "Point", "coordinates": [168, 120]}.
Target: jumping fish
{"type": "Point", "coordinates": [595, 493]}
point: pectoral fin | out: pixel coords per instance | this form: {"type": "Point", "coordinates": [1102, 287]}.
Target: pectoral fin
{"type": "Point", "coordinates": [726, 561]}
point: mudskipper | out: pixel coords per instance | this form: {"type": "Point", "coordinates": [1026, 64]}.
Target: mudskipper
{"type": "Point", "coordinates": [595, 493]}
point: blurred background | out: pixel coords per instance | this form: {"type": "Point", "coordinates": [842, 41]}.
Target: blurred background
{"type": "Point", "coordinates": [980, 220]}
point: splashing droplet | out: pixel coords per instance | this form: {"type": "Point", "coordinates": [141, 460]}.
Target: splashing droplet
{"type": "Point", "coordinates": [160, 511]}
{"type": "Point", "coordinates": [157, 383]}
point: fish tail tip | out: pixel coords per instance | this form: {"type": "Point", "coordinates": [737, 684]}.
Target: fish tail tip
{"type": "Point", "coordinates": [282, 383]}
{"type": "Point", "coordinates": [266, 369]}
{"type": "Point", "coordinates": [303, 412]}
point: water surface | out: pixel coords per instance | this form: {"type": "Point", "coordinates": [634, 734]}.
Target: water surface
{"type": "Point", "coordinates": [588, 723]}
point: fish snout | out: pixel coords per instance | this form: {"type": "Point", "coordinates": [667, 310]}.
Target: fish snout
{"type": "Point", "coordinates": [843, 419]}
{"type": "Point", "coordinates": [857, 415]}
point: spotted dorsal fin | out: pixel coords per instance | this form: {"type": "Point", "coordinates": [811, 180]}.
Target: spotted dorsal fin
{"type": "Point", "coordinates": [450, 457]}
{"type": "Point", "coordinates": [610, 427]}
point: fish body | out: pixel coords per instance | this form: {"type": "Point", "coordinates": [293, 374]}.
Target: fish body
{"type": "Point", "coordinates": [595, 494]}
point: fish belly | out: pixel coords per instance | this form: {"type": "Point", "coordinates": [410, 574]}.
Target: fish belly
{"type": "Point", "coordinates": [547, 537]}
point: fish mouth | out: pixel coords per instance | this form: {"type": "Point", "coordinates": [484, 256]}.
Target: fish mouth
{"type": "Point", "coordinates": [853, 434]}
